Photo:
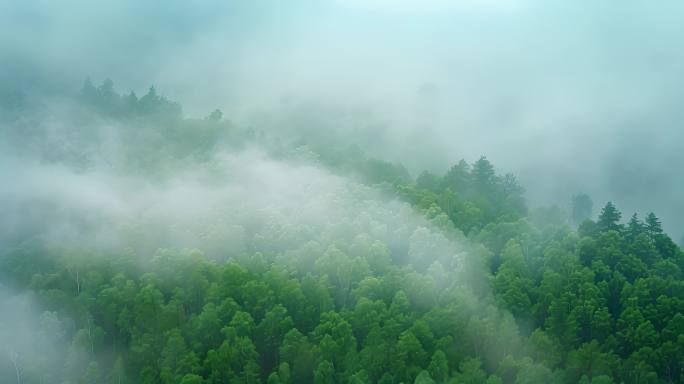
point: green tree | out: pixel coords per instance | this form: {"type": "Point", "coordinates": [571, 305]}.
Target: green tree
{"type": "Point", "coordinates": [458, 177]}
{"type": "Point", "coordinates": [324, 373]}
{"type": "Point", "coordinates": [275, 324]}
{"type": "Point", "coordinates": [424, 378]}
{"type": "Point", "coordinates": [609, 219]}
{"type": "Point", "coordinates": [483, 173]}
{"type": "Point", "coordinates": [439, 367]}
{"type": "Point", "coordinates": [470, 372]}
{"type": "Point", "coordinates": [653, 226]}
{"type": "Point", "coordinates": [295, 351]}
{"type": "Point", "coordinates": [634, 228]}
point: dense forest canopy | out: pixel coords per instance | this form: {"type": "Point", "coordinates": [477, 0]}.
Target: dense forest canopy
{"type": "Point", "coordinates": [140, 246]}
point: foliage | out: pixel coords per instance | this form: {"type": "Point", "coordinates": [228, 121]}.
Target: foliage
{"type": "Point", "coordinates": [535, 301]}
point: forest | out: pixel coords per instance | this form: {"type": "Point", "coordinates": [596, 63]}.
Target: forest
{"type": "Point", "coordinates": [142, 246]}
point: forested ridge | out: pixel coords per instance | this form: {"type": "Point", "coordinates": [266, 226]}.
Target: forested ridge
{"type": "Point", "coordinates": [469, 285]}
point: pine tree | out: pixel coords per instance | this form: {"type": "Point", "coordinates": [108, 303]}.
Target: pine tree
{"type": "Point", "coordinates": [458, 177]}
{"type": "Point", "coordinates": [634, 227]}
{"type": "Point", "coordinates": [653, 226]}
{"type": "Point", "coordinates": [609, 219]}
{"type": "Point", "coordinates": [484, 177]}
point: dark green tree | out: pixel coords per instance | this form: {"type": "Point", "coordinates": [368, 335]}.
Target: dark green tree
{"type": "Point", "coordinates": [609, 219]}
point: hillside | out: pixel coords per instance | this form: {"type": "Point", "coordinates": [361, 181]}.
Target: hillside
{"type": "Point", "coordinates": [139, 246]}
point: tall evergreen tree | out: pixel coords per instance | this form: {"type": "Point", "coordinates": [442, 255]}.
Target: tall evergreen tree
{"type": "Point", "coordinates": [458, 177]}
{"type": "Point", "coordinates": [483, 175]}
{"type": "Point", "coordinates": [653, 226]}
{"type": "Point", "coordinates": [609, 219]}
{"type": "Point", "coordinates": [634, 227]}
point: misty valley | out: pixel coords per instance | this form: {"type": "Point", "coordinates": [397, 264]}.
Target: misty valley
{"type": "Point", "coordinates": [341, 191]}
{"type": "Point", "coordinates": [143, 247]}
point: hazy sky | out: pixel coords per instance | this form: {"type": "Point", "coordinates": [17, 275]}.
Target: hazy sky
{"type": "Point", "coordinates": [570, 96]}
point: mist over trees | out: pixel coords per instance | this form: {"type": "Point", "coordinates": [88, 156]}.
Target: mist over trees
{"type": "Point", "coordinates": [140, 246]}
{"type": "Point", "coordinates": [341, 191]}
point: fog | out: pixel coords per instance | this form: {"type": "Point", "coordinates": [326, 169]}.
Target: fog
{"type": "Point", "coordinates": [571, 97]}
{"type": "Point", "coordinates": [81, 188]}
{"type": "Point", "coordinates": [222, 208]}
{"type": "Point", "coordinates": [292, 213]}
